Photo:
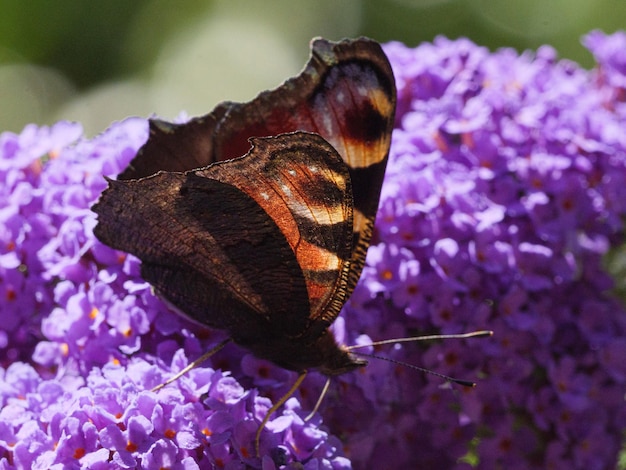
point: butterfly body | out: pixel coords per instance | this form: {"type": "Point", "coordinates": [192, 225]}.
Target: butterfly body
{"type": "Point", "coordinates": [269, 245]}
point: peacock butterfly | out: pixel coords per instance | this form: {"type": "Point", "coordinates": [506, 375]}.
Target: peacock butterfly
{"type": "Point", "coordinates": [269, 245]}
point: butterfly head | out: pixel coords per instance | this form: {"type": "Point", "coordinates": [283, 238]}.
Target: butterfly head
{"type": "Point", "coordinates": [336, 360]}
{"type": "Point", "coordinates": [341, 363]}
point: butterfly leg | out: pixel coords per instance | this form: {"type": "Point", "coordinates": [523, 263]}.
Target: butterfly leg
{"type": "Point", "coordinates": [193, 364]}
{"type": "Point", "coordinates": [275, 407]}
{"type": "Point", "coordinates": [319, 400]}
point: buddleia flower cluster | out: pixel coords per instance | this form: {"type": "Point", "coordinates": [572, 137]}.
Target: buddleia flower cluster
{"type": "Point", "coordinates": [505, 190]}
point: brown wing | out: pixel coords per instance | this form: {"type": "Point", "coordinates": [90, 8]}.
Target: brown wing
{"type": "Point", "coordinates": [345, 93]}
{"type": "Point", "coordinates": [208, 245]}
{"type": "Point", "coordinates": [309, 196]}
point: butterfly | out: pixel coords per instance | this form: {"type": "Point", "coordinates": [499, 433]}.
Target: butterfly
{"type": "Point", "coordinates": [256, 218]}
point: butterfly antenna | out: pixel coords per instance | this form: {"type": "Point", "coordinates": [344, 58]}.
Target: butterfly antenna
{"type": "Point", "coordinates": [473, 334]}
{"type": "Point", "coordinates": [447, 378]}
{"type": "Point", "coordinates": [275, 406]}
{"type": "Point", "coordinates": [193, 364]}
{"type": "Point", "coordinates": [465, 383]}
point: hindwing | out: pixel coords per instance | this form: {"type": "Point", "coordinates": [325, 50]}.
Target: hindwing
{"type": "Point", "coordinates": [256, 243]}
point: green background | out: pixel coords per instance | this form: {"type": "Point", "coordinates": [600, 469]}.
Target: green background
{"type": "Point", "coordinates": [102, 60]}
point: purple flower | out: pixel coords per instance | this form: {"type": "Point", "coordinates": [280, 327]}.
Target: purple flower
{"type": "Point", "coordinates": [505, 189]}
{"type": "Point", "coordinates": [500, 187]}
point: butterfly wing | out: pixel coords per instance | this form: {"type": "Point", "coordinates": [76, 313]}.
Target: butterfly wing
{"type": "Point", "coordinates": [308, 195]}
{"type": "Point", "coordinates": [345, 93]}
{"type": "Point", "coordinates": [231, 244]}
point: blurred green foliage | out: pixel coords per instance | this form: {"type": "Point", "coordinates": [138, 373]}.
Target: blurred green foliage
{"type": "Point", "coordinates": [98, 61]}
